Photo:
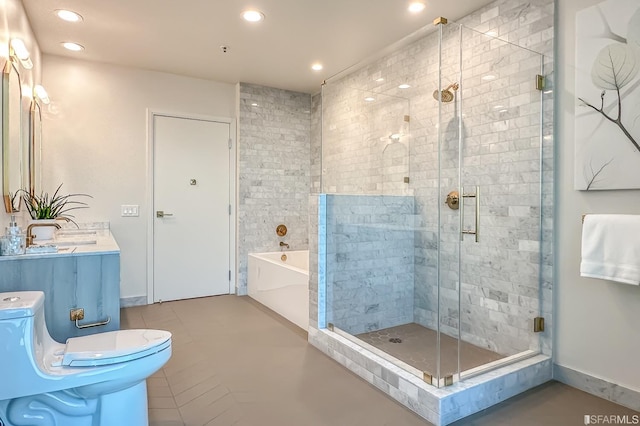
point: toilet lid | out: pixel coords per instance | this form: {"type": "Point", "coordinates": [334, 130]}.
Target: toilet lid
{"type": "Point", "coordinates": [114, 347]}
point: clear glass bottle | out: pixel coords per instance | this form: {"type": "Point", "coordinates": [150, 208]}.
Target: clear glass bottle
{"type": "Point", "coordinates": [16, 241]}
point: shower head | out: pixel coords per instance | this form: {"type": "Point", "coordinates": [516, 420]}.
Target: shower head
{"type": "Point", "coordinates": [446, 95]}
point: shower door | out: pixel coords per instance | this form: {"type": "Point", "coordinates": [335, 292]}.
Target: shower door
{"type": "Point", "coordinates": [430, 228]}
{"type": "Point", "coordinates": [490, 180]}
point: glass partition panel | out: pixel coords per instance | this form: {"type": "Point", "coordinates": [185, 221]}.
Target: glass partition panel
{"type": "Point", "coordinates": [431, 181]}
{"type": "Point", "coordinates": [366, 138]}
{"type": "Point", "coordinates": [500, 158]}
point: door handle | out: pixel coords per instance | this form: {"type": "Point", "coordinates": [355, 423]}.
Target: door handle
{"type": "Point", "coordinates": [160, 213]}
{"type": "Point", "coordinates": [466, 231]}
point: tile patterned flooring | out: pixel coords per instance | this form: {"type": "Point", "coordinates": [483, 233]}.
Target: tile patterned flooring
{"type": "Point", "coordinates": [237, 363]}
{"type": "Point", "coordinates": [417, 347]}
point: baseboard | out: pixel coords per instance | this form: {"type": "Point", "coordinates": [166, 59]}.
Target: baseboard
{"type": "Point", "coordinates": [127, 302]}
{"type": "Point", "coordinates": [597, 387]}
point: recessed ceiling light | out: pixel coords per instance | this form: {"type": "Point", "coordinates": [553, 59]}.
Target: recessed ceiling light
{"type": "Point", "coordinates": [369, 99]}
{"type": "Point", "coordinates": [72, 46]}
{"type": "Point", "coordinates": [404, 86]}
{"type": "Point", "coordinates": [380, 80]}
{"type": "Point", "coordinates": [254, 104]}
{"type": "Point", "coordinates": [498, 107]}
{"type": "Point", "coordinates": [316, 67]}
{"type": "Point", "coordinates": [252, 15]}
{"type": "Point", "coordinates": [491, 33]}
{"type": "Point", "coordinates": [68, 15]}
{"type": "Point", "coordinates": [489, 77]}
{"type": "Point", "coordinates": [416, 7]}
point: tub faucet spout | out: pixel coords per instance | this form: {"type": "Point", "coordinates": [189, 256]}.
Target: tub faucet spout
{"type": "Point", "coordinates": [283, 244]}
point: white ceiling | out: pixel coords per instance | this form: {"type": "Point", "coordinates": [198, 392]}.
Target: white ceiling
{"type": "Point", "coordinates": [184, 36]}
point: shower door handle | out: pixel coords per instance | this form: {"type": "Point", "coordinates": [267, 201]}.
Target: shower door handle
{"type": "Point", "coordinates": [463, 231]}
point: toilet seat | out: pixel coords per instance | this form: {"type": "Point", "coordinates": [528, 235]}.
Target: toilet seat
{"type": "Point", "coordinates": [113, 347]}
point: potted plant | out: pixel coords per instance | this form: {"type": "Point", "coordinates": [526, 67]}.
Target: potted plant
{"type": "Point", "coordinates": [51, 208]}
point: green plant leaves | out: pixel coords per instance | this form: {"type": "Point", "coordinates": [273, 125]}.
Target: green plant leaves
{"type": "Point", "coordinates": [44, 206]}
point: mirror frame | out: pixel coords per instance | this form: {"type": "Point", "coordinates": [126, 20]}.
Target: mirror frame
{"type": "Point", "coordinates": [6, 142]}
{"type": "Point", "coordinates": [35, 144]}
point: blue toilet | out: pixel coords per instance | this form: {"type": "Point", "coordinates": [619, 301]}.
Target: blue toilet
{"type": "Point", "coordinates": [95, 380]}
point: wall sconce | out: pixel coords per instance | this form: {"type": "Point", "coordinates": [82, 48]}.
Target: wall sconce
{"type": "Point", "coordinates": [41, 94]}
{"type": "Point", "coordinates": [19, 50]}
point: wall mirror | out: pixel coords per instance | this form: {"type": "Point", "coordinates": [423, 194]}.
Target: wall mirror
{"type": "Point", "coordinates": [35, 148]}
{"type": "Point", "coordinates": [2, 109]}
{"type": "Point", "coordinates": [25, 136]}
{"type": "Point", "coordinates": [12, 145]}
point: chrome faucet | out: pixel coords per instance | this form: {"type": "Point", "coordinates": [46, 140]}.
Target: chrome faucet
{"type": "Point", "coordinates": [34, 225]}
{"type": "Point", "coordinates": [283, 244]}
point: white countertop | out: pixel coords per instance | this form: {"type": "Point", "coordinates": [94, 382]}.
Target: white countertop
{"type": "Point", "coordinates": [76, 243]}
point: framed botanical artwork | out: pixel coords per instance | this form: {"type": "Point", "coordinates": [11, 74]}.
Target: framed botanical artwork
{"type": "Point", "coordinates": [607, 124]}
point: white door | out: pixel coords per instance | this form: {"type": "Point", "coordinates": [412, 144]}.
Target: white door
{"type": "Point", "coordinates": [191, 198]}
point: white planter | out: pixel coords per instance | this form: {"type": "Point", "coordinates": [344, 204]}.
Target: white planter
{"type": "Point", "coordinates": [43, 233]}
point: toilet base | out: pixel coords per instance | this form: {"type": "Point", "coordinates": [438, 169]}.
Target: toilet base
{"type": "Point", "coordinates": [127, 407]}
{"type": "Point", "coordinates": [65, 408]}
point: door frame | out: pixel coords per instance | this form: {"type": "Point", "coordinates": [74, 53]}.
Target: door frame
{"type": "Point", "coordinates": [151, 114]}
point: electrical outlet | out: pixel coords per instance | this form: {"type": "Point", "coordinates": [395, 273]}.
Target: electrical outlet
{"type": "Point", "coordinates": [129, 210]}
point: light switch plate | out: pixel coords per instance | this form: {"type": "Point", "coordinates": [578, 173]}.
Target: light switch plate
{"type": "Point", "coordinates": [129, 210]}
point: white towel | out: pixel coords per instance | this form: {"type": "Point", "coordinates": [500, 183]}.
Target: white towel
{"type": "Point", "coordinates": [611, 247]}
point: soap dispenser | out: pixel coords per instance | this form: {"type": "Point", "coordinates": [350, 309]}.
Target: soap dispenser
{"type": "Point", "coordinates": [15, 239]}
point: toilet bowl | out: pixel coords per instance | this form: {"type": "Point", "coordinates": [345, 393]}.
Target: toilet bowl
{"type": "Point", "coordinates": [95, 380]}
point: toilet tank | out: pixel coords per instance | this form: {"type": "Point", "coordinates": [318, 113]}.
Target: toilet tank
{"type": "Point", "coordinates": [20, 304]}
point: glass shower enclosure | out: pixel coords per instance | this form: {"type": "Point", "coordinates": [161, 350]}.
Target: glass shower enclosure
{"type": "Point", "coordinates": [432, 190]}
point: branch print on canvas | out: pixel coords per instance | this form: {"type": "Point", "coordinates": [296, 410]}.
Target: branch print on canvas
{"type": "Point", "coordinates": [607, 111]}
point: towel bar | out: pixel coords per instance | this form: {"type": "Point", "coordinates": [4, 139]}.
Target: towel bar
{"type": "Point", "coordinates": [94, 324]}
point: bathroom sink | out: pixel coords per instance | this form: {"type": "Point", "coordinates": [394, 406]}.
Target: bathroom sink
{"type": "Point", "coordinates": [65, 242]}
{"type": "Point", "coordinates": [75, 232]}
{"type": "Point", "coordinates": [74, 241]}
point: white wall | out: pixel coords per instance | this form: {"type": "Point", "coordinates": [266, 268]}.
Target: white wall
{"type": "Point", "coordinates": [95, 142]}
{"type": "Point", "coordinates": [597, 322]}
{"type": "Point", "coordinates": [15, 24]}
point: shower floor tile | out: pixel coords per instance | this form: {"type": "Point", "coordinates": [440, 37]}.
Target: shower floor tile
{"type": "Point", "coordinates": [417, 347]}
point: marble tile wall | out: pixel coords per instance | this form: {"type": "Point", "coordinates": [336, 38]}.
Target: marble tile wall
{"type": "Point", "coordinates": [530, 154]}
{"type": "Point", "coordinates": [365, 141]}
{"type": "Point", "coordinates": [316, 143]}
{"type": "Point", "coordinates": [496, 279]}
{"type": "Point", "coordinates": [369, 261]}
{"type": "Point", "coordinates": [317, 261]}
{"type": "Point", "coordinates": [274, 171]}
{"type": "Point", "coordinates": [497, 109]}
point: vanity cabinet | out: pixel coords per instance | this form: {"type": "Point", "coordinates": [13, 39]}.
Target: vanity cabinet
{"type": "Point", "coordinates": [90, 281]}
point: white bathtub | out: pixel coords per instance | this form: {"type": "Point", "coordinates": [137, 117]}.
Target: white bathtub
{"type": "Point", "coordinates": [281, 285]}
